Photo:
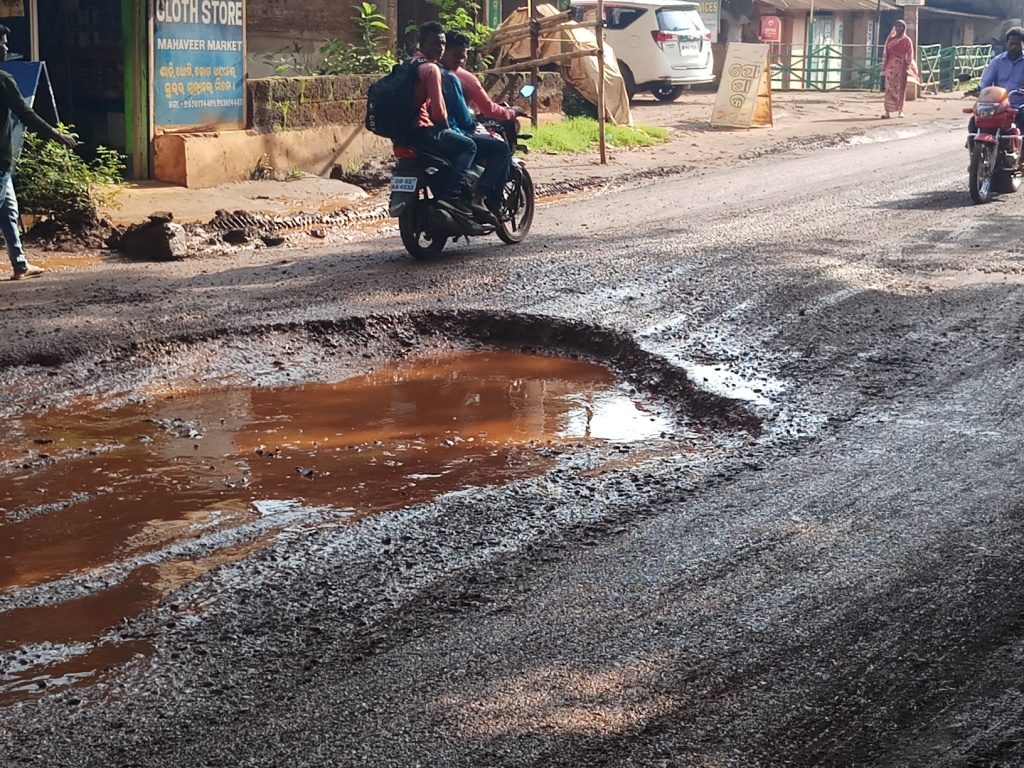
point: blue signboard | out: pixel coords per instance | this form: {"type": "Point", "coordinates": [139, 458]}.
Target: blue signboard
{"type": "Point", "coordinates": [30, 76]}
{"type": "Point", "coordinates": [199, 64]}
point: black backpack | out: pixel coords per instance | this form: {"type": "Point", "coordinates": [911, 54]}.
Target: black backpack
{"type": "Point", "coordinates": [390, 111]}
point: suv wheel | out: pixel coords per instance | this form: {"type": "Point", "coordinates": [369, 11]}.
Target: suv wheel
{"type": "Point", "coordinates": [628, 79]}
{"type": "Point", "coordinates": [668, 93]}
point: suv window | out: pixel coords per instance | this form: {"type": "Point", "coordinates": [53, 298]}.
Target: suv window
{"type": "Point", "coordinates": [680, 20]}
{"type": "Point", "coordinates": [615, 17]}
{"type": "Point", "coordinates": [620, 18]}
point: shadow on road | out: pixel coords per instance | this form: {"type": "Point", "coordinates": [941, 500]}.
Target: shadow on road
{"type": "Point", "coordinates": [936, 200]}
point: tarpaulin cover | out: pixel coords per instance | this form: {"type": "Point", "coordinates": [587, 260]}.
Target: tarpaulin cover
{"type": "Point", "coordinates": [581, 73]}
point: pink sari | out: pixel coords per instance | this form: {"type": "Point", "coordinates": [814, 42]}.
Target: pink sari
{"type": "Point", "coordinates": [897, 64]}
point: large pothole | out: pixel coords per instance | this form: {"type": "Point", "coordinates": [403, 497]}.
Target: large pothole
{"type": "Point", "coordinates": [114, 500]}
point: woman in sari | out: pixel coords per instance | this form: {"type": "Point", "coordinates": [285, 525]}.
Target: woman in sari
{"type": "Point", "coordinates": [897, 65]}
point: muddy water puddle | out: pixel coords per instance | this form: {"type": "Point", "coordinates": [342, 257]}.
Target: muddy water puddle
{"type": "Point", "coordinates": [121, 493]}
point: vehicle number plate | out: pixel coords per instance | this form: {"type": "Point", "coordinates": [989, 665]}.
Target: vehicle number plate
{"type": "Point", "coordinates": [403, 183]}
{"type": "Point", "coordinates": [690, 46]}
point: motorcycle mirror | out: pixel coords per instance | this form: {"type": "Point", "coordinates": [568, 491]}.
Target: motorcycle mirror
{"type": "Point", "coordinates": [527, 91]}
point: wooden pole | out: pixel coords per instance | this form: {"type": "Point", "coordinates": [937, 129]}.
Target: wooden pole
{"type": "Point", "coordinates": [521, 30]}
{"type": "Point", "coordinates": [600, 83]}
{"type": "Point", "coordinates": [534, 53]}
{"type": "Point", "coordinates": [559, 58]}
{"type": "Point", "coordinates": [497, 40]}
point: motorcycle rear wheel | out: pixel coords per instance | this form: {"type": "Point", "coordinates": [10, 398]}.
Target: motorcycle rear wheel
{"type": "Point", "coordinates": [519, 205]}
{"type": "Point", "coordinates": [417, 237]}
{"type": "Point", "coordinates": [980, 172]}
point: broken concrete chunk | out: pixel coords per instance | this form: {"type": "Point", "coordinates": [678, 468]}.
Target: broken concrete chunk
{"type": "Point", "coordinates": [154, 241]}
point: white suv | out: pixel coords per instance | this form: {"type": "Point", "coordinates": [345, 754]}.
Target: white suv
{"type": "Point", "coordinates": [661, 47]}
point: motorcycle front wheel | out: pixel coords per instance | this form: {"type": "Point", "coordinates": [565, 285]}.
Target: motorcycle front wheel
{"type": "Point", "coordinates": [518, 211]}
{"type": "Point", "coordinates": [418, 237]}
{"type": "Point", "coordinates": [980, 172]}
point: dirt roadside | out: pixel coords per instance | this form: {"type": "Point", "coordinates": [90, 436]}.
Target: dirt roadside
{"type": "Point", "coordinates": [812, 118]}
{"type": "Point", "coordinates": [315, 212]}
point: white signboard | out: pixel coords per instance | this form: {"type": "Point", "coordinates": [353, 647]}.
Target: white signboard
{"type": "Point", "coordinates": [744, 93]}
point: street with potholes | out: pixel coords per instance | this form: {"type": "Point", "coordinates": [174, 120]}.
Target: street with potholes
{"type": "Point", "coordinates": [717, 468]}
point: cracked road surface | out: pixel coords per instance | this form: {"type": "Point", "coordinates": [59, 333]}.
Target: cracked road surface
{"type": "Point", "coordinates": [834, 579]}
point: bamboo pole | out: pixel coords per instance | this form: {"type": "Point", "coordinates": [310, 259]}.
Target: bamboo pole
{"type": "Point", "coordinates": [545, 22]}
{"type": "Point", "coordinates": [497, 42]}
{"type": "Point", "coordinates": [534, 53]}
{"type": "Point", "coordinates": [556, 59]}
{"type": "Point", "coordinates": [600, 84]}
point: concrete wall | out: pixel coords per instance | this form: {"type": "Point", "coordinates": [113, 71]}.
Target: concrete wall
{"type": "Point", "coordinates": [207, 159]}
{"type": "Point", "coordinates": [273, 25]}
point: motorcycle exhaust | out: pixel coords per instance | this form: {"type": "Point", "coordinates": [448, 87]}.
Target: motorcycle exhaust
{"type": "Point", "coordinates": [456, 223]}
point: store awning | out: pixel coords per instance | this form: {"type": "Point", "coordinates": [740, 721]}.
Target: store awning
{"type": "Point", "coordinates": [925, 10]}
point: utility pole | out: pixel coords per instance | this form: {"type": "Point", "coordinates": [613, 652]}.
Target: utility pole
{"type": "Point", "coordinates": [600, 83]}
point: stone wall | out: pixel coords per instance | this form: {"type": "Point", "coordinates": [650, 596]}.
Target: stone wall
{"type": "Point", "coordinates": [550, 89]}
{"type": "Point", "coordinates": [291, 103]}
{"type": "Point", "coordinates": [288, 103]}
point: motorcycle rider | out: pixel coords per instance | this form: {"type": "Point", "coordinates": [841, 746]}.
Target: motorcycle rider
{"type": "Point", "coordinates": [493, 153]}
{"type": "Point", "coordinates": [432, 133]}
{"type": "Point", "coordinates": [1007, 71]}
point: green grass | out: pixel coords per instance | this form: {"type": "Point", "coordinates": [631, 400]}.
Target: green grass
{"type": "Point", "coordinates": [579, 134]}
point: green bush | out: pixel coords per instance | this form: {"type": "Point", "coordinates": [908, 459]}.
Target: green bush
{"type": "Point", "coordinates": [461, 16]}
{"type": "Point", "coordinates": [52, 181]}
{"type": "Point", "coordinates": [369, 56]}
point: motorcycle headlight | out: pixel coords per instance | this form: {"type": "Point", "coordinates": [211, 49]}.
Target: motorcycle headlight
{"type": "Point", "coordinates": [985, 109]}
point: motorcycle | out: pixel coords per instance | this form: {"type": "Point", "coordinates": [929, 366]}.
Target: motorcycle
{"type": "Point", "coordinates": [426, 227]}
{"type": "Point", "coordinates": [995, 145]}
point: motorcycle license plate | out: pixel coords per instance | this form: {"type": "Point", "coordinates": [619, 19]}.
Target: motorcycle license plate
{"type": "Point", "coordinates": [404, 183]}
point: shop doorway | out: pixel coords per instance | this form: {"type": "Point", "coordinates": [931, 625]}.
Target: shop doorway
{"type": "Point", "coordinates": [82, 46]}
{"type": "Point", "coordinates": [97, 62]}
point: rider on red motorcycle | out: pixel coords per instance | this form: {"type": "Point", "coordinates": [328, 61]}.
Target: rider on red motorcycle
{"type": "Point", "coordinates": [1007, 71]}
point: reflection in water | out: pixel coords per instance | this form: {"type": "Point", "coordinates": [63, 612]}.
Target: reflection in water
{"type": "Point", "coordinates": [86, 486]}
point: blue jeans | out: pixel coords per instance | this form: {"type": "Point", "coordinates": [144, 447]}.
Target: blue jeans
{"type": "Point", "coordinates": [9, 222]}
{"type": "Point", "coordinates": [457, 149]}
{"type": "Point", "coordinates": [494, 155]}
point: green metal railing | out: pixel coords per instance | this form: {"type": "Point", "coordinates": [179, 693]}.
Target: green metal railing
{"type": "Point", "coordinates": [825, 67]}
{"type": "Point", "coordinates": [940, 67]}
{"type": "Point", "coordinates": [858, 67]}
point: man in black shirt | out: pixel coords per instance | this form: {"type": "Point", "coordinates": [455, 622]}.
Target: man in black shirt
{"type": "Point", "coordinates": [12, 104]}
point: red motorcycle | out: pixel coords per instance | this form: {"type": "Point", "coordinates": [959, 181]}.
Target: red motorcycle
{"type": "Point", "coordinates": [995, 145]}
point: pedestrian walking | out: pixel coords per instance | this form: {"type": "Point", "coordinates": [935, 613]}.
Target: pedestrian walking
{"type": "Point", "coordinates": [13, 105]}
{"type": "Point", "coordinates": [898, 66]}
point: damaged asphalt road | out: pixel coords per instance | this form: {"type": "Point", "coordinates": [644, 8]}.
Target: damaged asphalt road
{"type": "Point", "coordinates": [822, 566]}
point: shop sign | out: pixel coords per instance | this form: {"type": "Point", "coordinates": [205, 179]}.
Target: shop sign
{"type": "Point", "coordinates": [709, 11]}
{"type": "Point", "coordinates": [771, 29]}
{"type": "Point", "coordinates": [199, 63]}
{"type": "Point", "coordinates": [494, 13]}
